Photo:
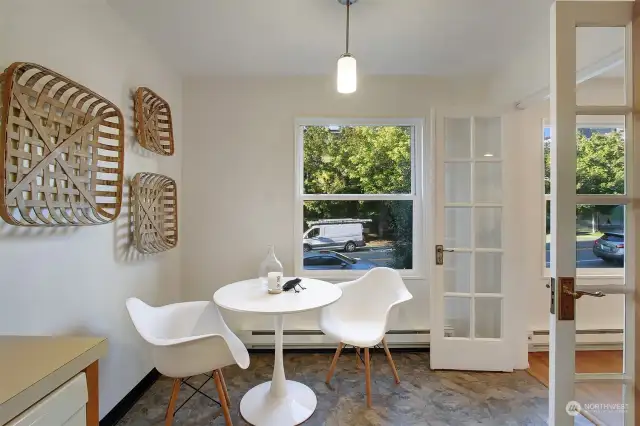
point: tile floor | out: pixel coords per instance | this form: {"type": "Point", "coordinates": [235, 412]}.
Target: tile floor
{"type": "Point", "coordinates": [424, 397]}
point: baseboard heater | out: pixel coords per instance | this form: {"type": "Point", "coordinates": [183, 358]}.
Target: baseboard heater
{"type": "Point", "coordinates": [310, 339]}
{"type": "Point", "coordinates": [589, 339]}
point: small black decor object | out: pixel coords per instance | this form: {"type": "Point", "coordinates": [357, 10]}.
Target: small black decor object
{"type": "Point", "coordinates": [292, 284]}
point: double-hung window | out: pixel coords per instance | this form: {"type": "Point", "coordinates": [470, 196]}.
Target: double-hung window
{"type": "Point", "coordinates": [358, 196]}
{"type": "Point", "coordinates": [600, 170]}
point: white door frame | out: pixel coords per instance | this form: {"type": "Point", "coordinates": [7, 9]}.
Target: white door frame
{"type": "Point", "coordinates": [565, 17]}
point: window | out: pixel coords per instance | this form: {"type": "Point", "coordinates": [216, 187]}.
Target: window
{"type": "Point", "coordinates": [357, 195]}
{"type": "Point", "coordinates": [600, 170]}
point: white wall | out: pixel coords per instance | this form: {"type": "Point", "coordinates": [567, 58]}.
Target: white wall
{"type": "Point", "coordinates": [76, 281]}
{"type": "Point", "coordinates": [239, 170]}
{"type": "Point", "coordinates": [527, 74]}
{"type": "Point", "coordinates": [526, 132]}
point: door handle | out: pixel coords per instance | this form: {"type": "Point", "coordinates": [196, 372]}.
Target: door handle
{"type": "Point", "coordinates": [440, 254]}
{"type": "Point", "coordinates": [578, 294]}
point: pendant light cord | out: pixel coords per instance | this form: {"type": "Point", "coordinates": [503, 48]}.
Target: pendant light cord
{"type": "Point", "coordinates": [348, 4]}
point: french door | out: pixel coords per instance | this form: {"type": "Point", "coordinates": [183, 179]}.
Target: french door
{"type": "Point", "coordinates": [468, 298]}
{"type": "Point", "coordinates": [567, 404]}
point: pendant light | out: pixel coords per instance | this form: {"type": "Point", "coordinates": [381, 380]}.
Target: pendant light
{"type": "Point", "coordinates": [347, 74]}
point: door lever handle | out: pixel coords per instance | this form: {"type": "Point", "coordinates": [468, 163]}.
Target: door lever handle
{"type": "Point", "coordinates": [578, 294]}
{"type": "Point", "coordinates": [440, 254]}
{"type": "Point", "coordinates": [448, 250]}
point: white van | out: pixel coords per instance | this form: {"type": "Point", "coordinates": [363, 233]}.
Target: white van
{"type": "Point", "coordinates": [345, 234]}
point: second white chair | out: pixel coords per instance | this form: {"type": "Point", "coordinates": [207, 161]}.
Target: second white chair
{"type": "Point", "coordinates": [360, 317]}
{"type": "Point", "coordinates": [189, 339]}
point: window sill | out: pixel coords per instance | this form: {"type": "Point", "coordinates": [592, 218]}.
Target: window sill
{"type": "Point", "coordinates": [348, 276]}
{"type": "Point", "coordinates": [595, 276]}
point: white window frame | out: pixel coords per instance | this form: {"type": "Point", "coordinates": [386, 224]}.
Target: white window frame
{"type": "Point", "coordinates": [417, 194]}
{"type": "Point", "coordinates": [596, 273]}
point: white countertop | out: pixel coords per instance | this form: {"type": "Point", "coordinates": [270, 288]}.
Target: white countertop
{"type": "Point", "coordinates": [33, 366]}
{"type": "Point", "coordinates": [252, 296]}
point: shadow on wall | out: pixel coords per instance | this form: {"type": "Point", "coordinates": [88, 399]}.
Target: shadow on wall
{"type": "Point", "coordinates": [124, 247]}
{"type": "Point", "coordinates": [9, 232]}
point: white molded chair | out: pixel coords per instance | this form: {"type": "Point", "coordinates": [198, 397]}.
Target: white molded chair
{"type": "Point", "coordinates": [189, 339]}
{"type": "Point", "coordinates": [360, 317]}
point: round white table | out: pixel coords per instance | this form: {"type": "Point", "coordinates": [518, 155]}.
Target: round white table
{"type": "Point", "coordinates": [280, 402]}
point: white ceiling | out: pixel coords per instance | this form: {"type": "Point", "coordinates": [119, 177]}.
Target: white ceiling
{"type": "Point", "coordinates": [302, 37]}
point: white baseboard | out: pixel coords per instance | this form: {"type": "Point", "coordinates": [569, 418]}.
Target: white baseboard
{"type": "Point", "coordinates": [595, 339]}
{"type": "Point", "coordinates": [315, 339]}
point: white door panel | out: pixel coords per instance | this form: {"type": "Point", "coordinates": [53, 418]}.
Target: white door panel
{"type": "Point", "coordinates": [468, 294]}
{"type": "Point", "coordinates": [600, 398]}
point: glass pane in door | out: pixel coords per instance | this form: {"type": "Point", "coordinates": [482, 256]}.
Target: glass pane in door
{"type": "Point", "coordinates": [457, 272]}
{"type": "Point", "coordinates": [457, 222]}
{"type": "Point", "coordinates": [457, 316]}
{"type": "Point", "coordinates": [457, 182]}
{"type": "Point", "coordinates": [488, 317]}
{"type": "Point", "coordinates": [603, 402]}
{"type": "Point", "coordinates": [488, 270]}
{"type": "Point", "coordinates": [457, 138]}
{"type": "Point", "coordinates": [487, 183]}
{"type": "Point", "coordinates": [600, 237]}
{"type": "Point", "coordinates": [600, 143]}
{"type": "Point", "coordinates": [612, 41]}
{"type": "Point", "coordinates": [488, 224]}
{"type": "Point", "coordinates": [488, 137]}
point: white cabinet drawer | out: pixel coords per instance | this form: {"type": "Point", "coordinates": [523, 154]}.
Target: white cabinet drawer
{"type": "Point", "coordinates": [64, 406]}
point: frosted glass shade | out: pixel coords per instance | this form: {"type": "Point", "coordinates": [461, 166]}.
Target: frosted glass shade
{"type": "Point", "coordinates": [347, 74]}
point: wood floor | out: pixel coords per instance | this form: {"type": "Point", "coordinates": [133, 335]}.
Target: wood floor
{"type": "Point", "coordinates": [588, 362]}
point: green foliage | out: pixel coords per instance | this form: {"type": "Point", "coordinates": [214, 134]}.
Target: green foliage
{"type": "Point", "coordinates": [402, 226]}
{"type": "Point", "coordinates": [357, 160]}
{"type": "Point", "coordinates": [600, 164]}
{"type": "Point", "coordinates": [600, 167]}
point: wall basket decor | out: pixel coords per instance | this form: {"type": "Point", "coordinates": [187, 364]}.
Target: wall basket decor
{"type": "Point", "coordinates": [154, 199]}
{"type": "Point", "coordinates": [62, 150]}
{"type": "Point", "coordinates": [154, 127]}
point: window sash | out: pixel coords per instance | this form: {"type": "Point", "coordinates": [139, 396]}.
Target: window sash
{"type": "Point", "coordinates": [366, 197]}
{"type": "Point", "coordinates": [416, 126]}
{"type": "Point", "coordinates": [416, 196]}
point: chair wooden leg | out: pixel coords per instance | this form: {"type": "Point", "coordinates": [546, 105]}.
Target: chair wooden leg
{"type": "Point", "coordinates": [367, 371]}
{"type": "Point", "coordinates": [334, 362]}
{"type": "Point", "coordinates": [223, 400]}
{"type": "Point", "coordinates": [224, 387]}
{"type": "Point", "coordinates": [172, 402]}
{"type": "Point", "coordinates": [358, 358]}
{"type": "Point", "coordinates": [390, 360]}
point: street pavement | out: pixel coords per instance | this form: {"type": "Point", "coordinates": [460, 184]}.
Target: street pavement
{"type": "Point", "coordinates": [381, 256]}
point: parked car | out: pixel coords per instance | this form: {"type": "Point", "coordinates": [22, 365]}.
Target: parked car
{"type": "Point", "coordinates": [324, 259]}
{"type": "Point", "coordinates": [610, 247]}
{"type": "Point", "coordinates": [344, 234]}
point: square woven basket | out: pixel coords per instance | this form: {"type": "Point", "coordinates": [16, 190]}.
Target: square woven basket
{"type": "Point", "coordinates": [154, 127]}
{"type": "Point", "coordinates": [154, 199]}
{"type": "Point", "coordinates": [62, 150]}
